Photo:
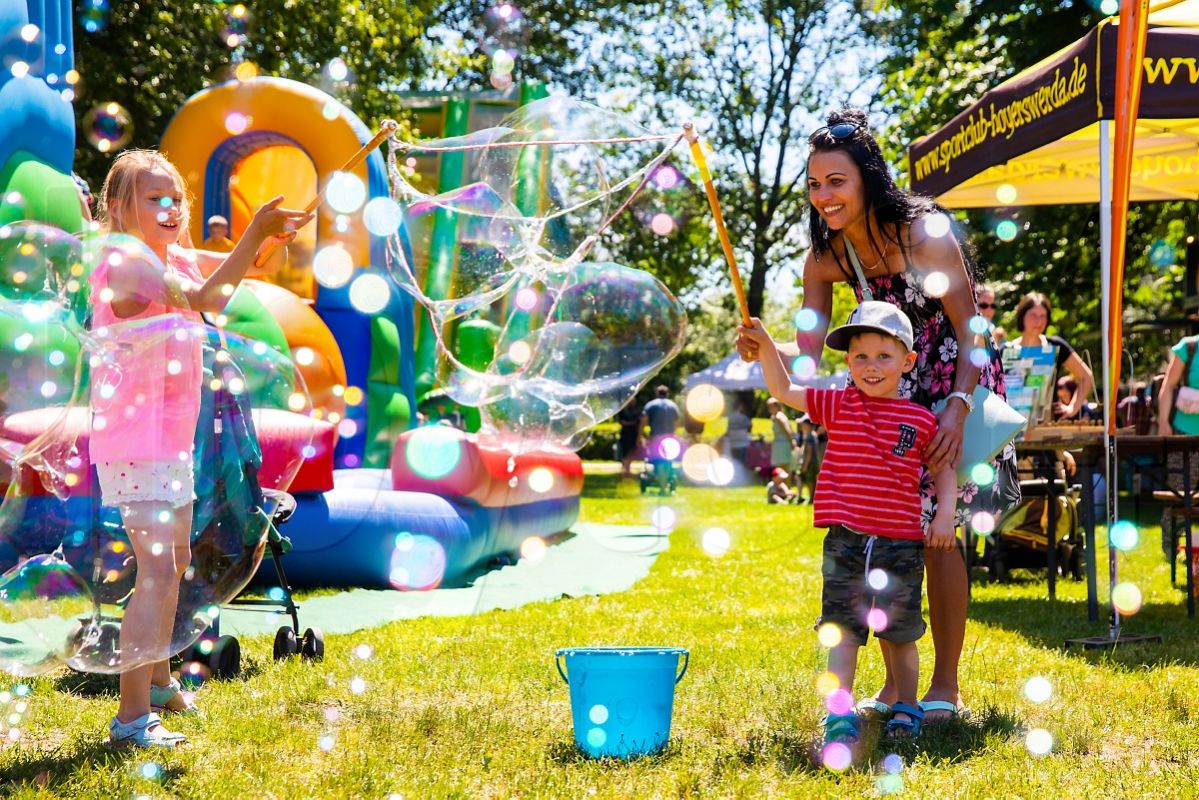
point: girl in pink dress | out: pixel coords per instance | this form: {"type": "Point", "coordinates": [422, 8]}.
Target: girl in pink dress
{"type": "Point", "coordinates": [145, 398]}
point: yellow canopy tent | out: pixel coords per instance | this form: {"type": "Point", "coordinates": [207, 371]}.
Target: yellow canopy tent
{"type": "Point", "coordinates": [1043, 137]}
{"type": "Point", "coordinates": [1039, 133]}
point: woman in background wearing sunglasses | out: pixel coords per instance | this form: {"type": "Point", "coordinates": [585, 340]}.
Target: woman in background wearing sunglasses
{"type": "Point", "coordinates": [910, 256]}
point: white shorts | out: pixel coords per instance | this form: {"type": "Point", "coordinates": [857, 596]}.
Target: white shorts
{"type": "Point", "coordinates": [170, 482]}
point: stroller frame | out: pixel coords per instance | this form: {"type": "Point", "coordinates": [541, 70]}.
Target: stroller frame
{"type": "Point", "coordinates": [222, 653]}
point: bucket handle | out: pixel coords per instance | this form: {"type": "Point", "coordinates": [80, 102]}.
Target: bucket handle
{"type": "Point", "coordinates": [686, 661]}
{"type": "Point", "coordinates": [558, 664]}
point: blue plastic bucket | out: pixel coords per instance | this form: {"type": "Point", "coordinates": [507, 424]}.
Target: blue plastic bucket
{"type": "Point", "coordinates": [621, 698]}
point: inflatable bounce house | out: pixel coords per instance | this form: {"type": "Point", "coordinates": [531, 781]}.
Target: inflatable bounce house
{"type": "Point", "coordinates": [37, 126]}
{"type": "Point", "coordinates": [380, 502]}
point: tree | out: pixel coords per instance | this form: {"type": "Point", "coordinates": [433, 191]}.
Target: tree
{"type": "Point", "coordinates": [941, 57]}
{"type": "Point", "coordinates": [752, 74]}
{"type": "Point", "coordinates": [149, 57]}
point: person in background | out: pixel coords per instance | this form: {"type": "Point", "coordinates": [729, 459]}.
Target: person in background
{"type": "Point", "coordinates": [85, 198]}
{"type": "Point", "coordinates": [1135, 411]}
{"type": "Point", "coordinates": [986, 309]}
{"type": "Point", "coordinates": [986, 305]}
{"type": "Point", "coordinates": [736, 437]}
{"type": "Point", "coordinates": [782, 447]}
{"type": "Point", "coordinates": [777, 491]}
{"type": "Point", "coordinates": [1067, 388]}
{"type": "Point", "coordinates": [662, 415]}
{"type": "Point", "coordinates": [1033, 314]}
{"type": "Point", "coordinates": [218, 240]}
{"type": "Point", "coordinates": [629, 418]}
{"type": "Point", "coordinates": [811, 454]}
{"type": "Point", "coordinates": [693, 427]}
{"type": "Point", "coordinates": [1182, 370]}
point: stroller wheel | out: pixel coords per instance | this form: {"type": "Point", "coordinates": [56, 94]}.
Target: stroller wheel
{"type": "Point", "coordinates": [95, 641]}
{"type": "Point", "coordinates": [1076, 566]}
{"type": "Point", "coordinates": [312, 646]}
{"type": "Point", "coordinates": [225, 659]}
{"type": "Point", "coordinates": [999, 570]}
{"type": "Point", "coordinates": [286, 644]}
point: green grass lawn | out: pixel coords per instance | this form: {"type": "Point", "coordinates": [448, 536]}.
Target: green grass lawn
{"type": "Point", "coordinates": [467, 707]}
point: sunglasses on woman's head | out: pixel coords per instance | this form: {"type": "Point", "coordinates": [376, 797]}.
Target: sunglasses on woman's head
{"type": "Point", "coordinates": [838, 132]}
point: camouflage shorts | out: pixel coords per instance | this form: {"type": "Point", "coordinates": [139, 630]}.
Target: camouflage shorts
{"type": "Point", "coordinates": [848, 597]}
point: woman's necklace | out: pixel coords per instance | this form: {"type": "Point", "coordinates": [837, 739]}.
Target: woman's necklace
{"type": "Point", "coordinates": [881, 259]}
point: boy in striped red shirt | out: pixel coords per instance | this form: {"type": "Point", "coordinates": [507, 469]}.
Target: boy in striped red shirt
{"type": "Point", "coordinates": [868, 496]}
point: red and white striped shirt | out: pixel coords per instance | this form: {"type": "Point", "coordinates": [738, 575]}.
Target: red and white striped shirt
{"type": "Point", "coordinates": [870, 478]}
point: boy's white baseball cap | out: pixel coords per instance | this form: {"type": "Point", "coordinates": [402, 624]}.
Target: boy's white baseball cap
{"type": "Point", "coordinates": [873, 316]}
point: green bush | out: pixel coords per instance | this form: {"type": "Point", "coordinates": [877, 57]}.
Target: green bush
{"type": "Point", "coordinates": [600, 447]}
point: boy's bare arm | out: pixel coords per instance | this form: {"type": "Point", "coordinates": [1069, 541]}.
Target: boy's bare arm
{"type": "Point", "coordinates": [941, 531]}
{"type": "Point", "coordinates": [778, 380]}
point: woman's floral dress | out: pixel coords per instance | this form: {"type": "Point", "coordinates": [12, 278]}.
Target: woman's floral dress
{"type": "Point", "coordinates": [936, 347]}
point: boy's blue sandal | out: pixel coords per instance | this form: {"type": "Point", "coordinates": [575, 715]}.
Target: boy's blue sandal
{"type": "Point", "coordinates": [145, 731]}
{"type": "Point", "coordinates": [903, 728]}
{"type": "Point", "coordinates": [841, 728]}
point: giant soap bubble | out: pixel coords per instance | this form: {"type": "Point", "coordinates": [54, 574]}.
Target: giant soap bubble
{"type": "Point", "coordinates": [577, 338]}
{"type": "Point", "coordinates": [137, 487]}
{"type": "Point", "coordinates": [40, 593]}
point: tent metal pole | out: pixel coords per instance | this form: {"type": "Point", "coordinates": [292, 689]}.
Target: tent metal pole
{"type": "Point", "coordinates": [1109, 299]}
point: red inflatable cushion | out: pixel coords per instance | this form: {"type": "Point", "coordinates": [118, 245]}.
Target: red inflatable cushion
{"type": "Point", "coordinates": [280, 434]}
{"type": "Point", "coordinates": [448, 462]}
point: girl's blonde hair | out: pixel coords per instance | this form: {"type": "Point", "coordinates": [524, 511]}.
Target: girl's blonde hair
{"type": "Point", "coordinates": [120, 189]}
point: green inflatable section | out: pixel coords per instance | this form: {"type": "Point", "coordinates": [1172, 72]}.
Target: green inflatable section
{"type": "Point", "coordinates": [247, 316]}
{"type": "Point", "coordinates": [387, 411]}
{"type": "Point", "coordinates": [40, 361]}
{"type": "Point", "coordinates": [43, 194]}
{"type": "Point", "coordinates": [475, 349]}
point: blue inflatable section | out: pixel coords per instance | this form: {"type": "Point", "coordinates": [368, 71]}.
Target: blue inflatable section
{"type": "Point", "coordinates": [349, 536]}
{"type": "Point", "coordinates": [36, 119]}
{"type": "Point", "coordinates": [358, 536]}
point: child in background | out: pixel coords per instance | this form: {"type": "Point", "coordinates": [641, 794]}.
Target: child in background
{"type": "Point", "coordinates": [810, 457]}
{"type": "Point", "coordinates": [218, 240]}
{"type": "Point", "coordinates": [777, 491]}
{"type": "Point", "coordinates": [868, 496]}
{"type": "Point", "coordinates": [144, 425]}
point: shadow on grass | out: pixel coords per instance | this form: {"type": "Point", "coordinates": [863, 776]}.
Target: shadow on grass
{"type": "Point", "coordinates": [94, 684]}
{"type": "Point", "coordinates": [942, 743]}
{"type": "Point", "coordinates": [566, 752]}
{"type": "Point", "coordinates": [605, 486]}
{"type": "Point", "coordinates": [48, 769]}
{"type": "Point", "coordinates": [1050, 624]}
{"type": "Point", "coordinates": [88, 684]}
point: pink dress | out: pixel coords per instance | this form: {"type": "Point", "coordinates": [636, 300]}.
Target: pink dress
{"type": "Point", "coordinates": [145, 390]}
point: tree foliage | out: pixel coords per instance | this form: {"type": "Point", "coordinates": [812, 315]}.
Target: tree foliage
{"type": "Point", "coordinates": [754, 75]}
{"type": "Point", "coordinates": [151, 56]}
{"type": "Point", "coordinates": [942, 56]}
{"type": "Point", "coordinates": [757, 73]}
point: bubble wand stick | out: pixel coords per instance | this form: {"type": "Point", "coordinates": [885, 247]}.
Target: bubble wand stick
{"type": "Point", "coordinates": [701, 163]}
{"type": "Point", "coordinates": [388, 127]}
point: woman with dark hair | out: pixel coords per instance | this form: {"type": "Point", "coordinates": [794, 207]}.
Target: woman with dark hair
{"type": "Point", "coordinates": [906, 250]}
